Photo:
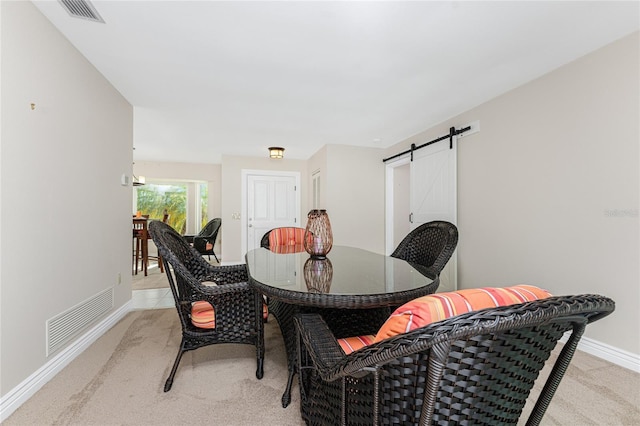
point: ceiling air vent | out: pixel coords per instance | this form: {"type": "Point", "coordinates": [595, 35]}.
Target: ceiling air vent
{"type": "Point", "coordinates": [81, 9]}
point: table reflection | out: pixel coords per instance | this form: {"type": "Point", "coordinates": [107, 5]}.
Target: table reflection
{"type": "Point", "coordinates": [318, 274]}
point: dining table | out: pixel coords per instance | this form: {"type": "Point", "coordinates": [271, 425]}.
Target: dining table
{"type": "Point", "coordinates": [354, 290]}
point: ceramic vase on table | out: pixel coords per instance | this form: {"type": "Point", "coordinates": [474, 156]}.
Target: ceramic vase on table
{"type": "Point", "coordinates": [318, 238]}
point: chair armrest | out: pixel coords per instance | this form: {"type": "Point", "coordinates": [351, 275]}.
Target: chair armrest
{"type": "Point", "coordinates": [319, 341]}
{"type": "Point", "coordinates": [224, 289]}
{"type": "Point", "coordinates": [226, 274]}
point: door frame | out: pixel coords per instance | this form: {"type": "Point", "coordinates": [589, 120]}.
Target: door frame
{"type": "Point", "coordinates": [245, 173]}
{"type": "Point", "coordinates": [388, 201]}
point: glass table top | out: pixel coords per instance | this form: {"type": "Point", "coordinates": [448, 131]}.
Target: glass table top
{"type": "Point", "coordinates": [346, 271]}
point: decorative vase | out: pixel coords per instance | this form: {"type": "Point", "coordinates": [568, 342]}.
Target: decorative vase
{"type": "Point", "coordinates": [318, 274]}
{"type": "Point", "coordinates": [318, 238]}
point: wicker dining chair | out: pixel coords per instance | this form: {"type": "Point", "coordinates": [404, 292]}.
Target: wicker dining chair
{"type": "Point", "coordinates": [206, 238]}
{"type": "Point", "coordinates": [431, 244]}
{"type": "Point", "coordinates": [229, 311]}
{"type": "Point", "coordinates": [474, 368]}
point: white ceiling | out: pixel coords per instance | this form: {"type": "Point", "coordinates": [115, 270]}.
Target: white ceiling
{"type": "Point", "coordinates": [213, 78]}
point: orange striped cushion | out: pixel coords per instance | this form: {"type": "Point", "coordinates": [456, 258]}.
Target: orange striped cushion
{"type": "Point", "coordinates": [286, 237]}
{"type": "Point", "coordinates": [351, 344]}
{"type": "Point", "coordinates": [203, 314]}
{"type": "Point", "coordinates": [435, 307]}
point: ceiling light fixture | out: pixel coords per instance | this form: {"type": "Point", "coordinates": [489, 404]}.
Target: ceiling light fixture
{"type": "Point", "coordinates": [276, 152]}
{"type": "Point", "coordinates": [138, 180]}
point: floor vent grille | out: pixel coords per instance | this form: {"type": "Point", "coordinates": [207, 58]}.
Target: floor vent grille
{"type": "Point", "coordinates": [63, 327]}
{"type": "Point", "coordinates": [81, 9]}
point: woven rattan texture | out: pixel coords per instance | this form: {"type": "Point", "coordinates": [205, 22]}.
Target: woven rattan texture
{"type": "Point", "coordinates": [476, 368]}
{"type": "Point", "coordinates": [431, 244]}
{"type": "Point", "coordinates": [238, 308]}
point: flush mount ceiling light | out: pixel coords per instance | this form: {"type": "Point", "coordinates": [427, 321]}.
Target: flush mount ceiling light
{"type": "Point", "coordinates": [276, 152]}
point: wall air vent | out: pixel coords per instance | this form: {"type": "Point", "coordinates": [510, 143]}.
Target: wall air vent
{"type": "Point", "coordinates": [67, 325]}
{"type": "Point", "coordinates": [82, 9]}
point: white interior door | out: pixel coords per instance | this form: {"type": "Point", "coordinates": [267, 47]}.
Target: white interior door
{"type": "Point", "coordinates": [433, 195]}
{"type": "Point", "coordinates": [272, 202]}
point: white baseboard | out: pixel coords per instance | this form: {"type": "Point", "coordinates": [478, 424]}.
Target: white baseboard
{"type": "Point", "coordinates": [25, 390]}
{"type": "Point", "coordinates": [609, 353]}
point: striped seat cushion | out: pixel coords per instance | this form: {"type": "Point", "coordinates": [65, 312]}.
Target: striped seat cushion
{"type": "Point", "coordinates": [203, 314]}
{"type": "Point", "coordinates": [351, 344]}
{"type": "Point", "coordinates": [425, 310]}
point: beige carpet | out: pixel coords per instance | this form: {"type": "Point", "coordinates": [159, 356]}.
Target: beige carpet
{"type": "Point", "coordinates": [119, 381]}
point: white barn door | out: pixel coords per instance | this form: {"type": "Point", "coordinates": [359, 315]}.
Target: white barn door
{"type": "Point", "coordinates": [433, 194]}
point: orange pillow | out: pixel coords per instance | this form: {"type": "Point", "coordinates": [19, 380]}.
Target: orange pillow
{"type": "Point", "coordinates": [436, 307]}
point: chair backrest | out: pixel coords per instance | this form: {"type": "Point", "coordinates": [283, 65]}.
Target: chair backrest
{"type": "Point", "coordinates": [430, 244]}
{"type": "Point", "coordinates": [284, 236]}
{"type": "Point", "coordinates": [188, 267]}
{"type": "Point", "coordinates": [474, 368]}
{"type": "Point", "coordinates": [211, 229]}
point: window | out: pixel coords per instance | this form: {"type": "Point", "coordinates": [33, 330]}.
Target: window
{"type": "Point", "coordinates": [154, 198]}
{"type": "Point", "coordinates": [203, 189]}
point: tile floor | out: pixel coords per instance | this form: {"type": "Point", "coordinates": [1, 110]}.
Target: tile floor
{"type": "Point", "coordinates": [153, 298]}
{"type": "Point", "coordinates": [144, 297]}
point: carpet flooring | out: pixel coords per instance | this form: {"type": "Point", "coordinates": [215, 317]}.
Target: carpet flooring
{"type": "Point", "coordinates": [119, 381]}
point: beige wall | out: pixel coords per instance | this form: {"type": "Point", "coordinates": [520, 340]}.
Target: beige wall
{"type": "Point", "coordinates": [64, 219]}
{"type": "Point", "coordinates": [548, 189]}
{"type": "Point", "coordinates": [232, 167]}
{"type": "Point", "coordinates": [354, 196]}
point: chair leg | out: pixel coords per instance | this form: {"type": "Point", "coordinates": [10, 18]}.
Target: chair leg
{"type": "Point", "coordinates": [214, 255]}
{"type": "Point", "coordinates": [169, 382]}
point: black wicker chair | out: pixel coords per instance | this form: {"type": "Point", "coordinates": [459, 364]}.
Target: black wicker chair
{"type": "Point", "coordinates": [475, 368]}
{"type": "Point", "coordinates": [430, 244]}
{"type": "Point", "coordinates": [237, 307]}
{"type": "Point", "coordinates": [208, 234]}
